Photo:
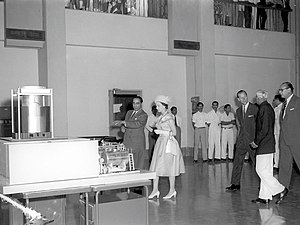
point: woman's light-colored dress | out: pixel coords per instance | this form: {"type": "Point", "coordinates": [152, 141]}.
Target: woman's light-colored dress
{"type": "Point", "coordinates": [166, 164]}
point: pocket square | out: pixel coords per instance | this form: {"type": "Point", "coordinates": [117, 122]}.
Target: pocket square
{"type": "Point", "coordinates": [250, 115]}
{"type": "Point", "coordinates": [292, 109]}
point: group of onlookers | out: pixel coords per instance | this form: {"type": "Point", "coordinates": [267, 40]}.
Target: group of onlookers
{"type": "Point", "coordinates": [214, 132]}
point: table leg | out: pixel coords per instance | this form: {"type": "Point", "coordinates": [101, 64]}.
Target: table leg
{"type": "Point", "coordinates": [147, 206]}
{"type": "Point", "coordinates": [27, 219]}
{"type": "Point", "coordinates": [97, 207]}
{"type": "Point", "coordinates": [86, 208]}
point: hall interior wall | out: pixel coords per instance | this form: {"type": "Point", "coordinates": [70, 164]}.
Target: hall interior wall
{"type": "Point", "coordinates": [113, 51]}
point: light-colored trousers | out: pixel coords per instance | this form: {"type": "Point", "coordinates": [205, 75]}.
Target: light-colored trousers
{"type": "Point", "coordinates": [214, 144]}
{"type": "Point", "coordinates": [227, 139]}
{"type": "Point", "coordinates": [200, 137]}
{"type": "Point", "coordinates": [269, 185]}
{"type": "Point", "coordinates": [276, 154]}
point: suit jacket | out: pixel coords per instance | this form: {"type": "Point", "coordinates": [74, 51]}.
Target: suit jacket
{"type": "Point", "coordinates": [246, 126]}
{"type": "Point", "coordinates": [134, 136]}
{"type": "Point", "coordinates": [265, 129]}
{"type": "Point", "coordinates": [290, 124]}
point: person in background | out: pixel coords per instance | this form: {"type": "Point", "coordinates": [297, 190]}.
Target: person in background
{"type": "Point", "coordinates": [199, 125]}
{"type": "Point", "coordinates": [165, 164]}
{"type": "Point", "coordinates": [285, 14]}
{"type": "Point", "coordinates": [246, 120]}
{"type": "Point", "coordinates": [151, 126]}
{"type": "Point", "coordinates": [134, 131]}
{"type": "Point", "coordinates": [261, 15]}
{"type": "Point", "coordinates": [227, 123]}
{"type": "Point", "coordinates": [178, 122]}
{"type": "Point", "coordinates": [277, 104]}
{"type": "Point", "coordinates": [289, 139]}
{"type": "Point", "coordinates": [214, 132]}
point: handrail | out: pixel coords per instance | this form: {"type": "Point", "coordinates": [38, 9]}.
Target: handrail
{"type": "Point", "coordinates": [264, 16]}
{"type": "Point", "coordinates": [144, 8]}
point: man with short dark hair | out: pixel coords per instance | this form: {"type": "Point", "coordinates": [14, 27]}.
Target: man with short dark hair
{"type": "Point", "coordinates": [246, 124]}
{"type": "Point", "coordinates": [134, 136]}
{"type": "Point", "coordinates": [214, 132]}
{"type": "Point", "coordinates": [289, 139]}
{"type": "Point", "coordinates": [227, 123]}
{"type": "Point", "coordinates": [199, 125]}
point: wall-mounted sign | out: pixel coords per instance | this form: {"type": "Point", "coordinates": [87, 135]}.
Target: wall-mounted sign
{"type": "Point", "coordinates": [23, 22]}
{"type": "Point", "coordinates": [189, 45]}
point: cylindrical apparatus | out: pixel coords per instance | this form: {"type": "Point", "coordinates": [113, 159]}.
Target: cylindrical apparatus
{"type": "Point", "coordinates": [33, 114]}
{"type": "Point", "coordinates": [32, 118]}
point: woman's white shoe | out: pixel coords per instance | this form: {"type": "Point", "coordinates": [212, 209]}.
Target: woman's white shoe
{"type": "Point", "coordinates": [152, 195]}
{"type": "Point", "coordinates": [171, 195]}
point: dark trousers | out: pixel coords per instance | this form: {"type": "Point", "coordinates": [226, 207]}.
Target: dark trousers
{"type": "Point", "coordinates": [247, 14]}
{"type": "Point", "coordinates": [285, 20]}
{"type": "Point", "coordinates": [261, 19]}
{"type": "Point", "coordinates": [238, 163]}
{"type": "Point", "coordinates": [288, 153]}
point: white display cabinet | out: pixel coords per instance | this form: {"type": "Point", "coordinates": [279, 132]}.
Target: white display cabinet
{"type": "Point", "coordinates": [24, 162]}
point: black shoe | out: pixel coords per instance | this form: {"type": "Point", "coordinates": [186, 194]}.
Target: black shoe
{"type": "Point", "coordinates": [260, 200]}
{"type": "Point", "coordinates": [230, 160]}
{"type": "Point", "coordinates": [282, 195]}
{"type": "Point", "coordinates": [204, 160]}
{"type": "Point", "coordinates": [210, 160]}
{"type": "Point", "coordinates": [195, 161]}
{"type": "Point", "coordinates": [233, 187]}
{"type": "Point", "coordinates": [217, 160]}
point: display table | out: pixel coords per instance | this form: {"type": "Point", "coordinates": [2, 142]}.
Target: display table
{"type": "Point", "coordinates": [46, 190]}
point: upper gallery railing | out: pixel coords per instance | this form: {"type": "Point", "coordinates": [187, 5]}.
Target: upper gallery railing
{"type": "Point", "coordinates": [146, 8]}
{"type": "Point", "coordinates": [273, 15]}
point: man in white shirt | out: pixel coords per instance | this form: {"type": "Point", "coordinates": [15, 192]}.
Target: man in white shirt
{"type": "Point", "coordinates": [199, 125]}
{"type": "Point", "coordinates": [227, 123]}
{"type": "Point", "coordinates": [277, 104]}
{"type": "Point", "coordinates": [214, 133]}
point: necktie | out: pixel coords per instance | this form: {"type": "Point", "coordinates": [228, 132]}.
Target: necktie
{"type": "Point", "coordinates": [244, 111]}
{"type": "Point", "coordinates": [132, 115]}
{"type": "Point", "coordinates": [283, 109]}
{"type": "Point", "coordinates": [175, 121]}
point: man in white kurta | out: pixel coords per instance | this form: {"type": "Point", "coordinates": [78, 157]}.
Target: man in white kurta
{"type": "Point", "coordinates": [227, 123]}
{"type": "Point", "coordinates": [214, 133]}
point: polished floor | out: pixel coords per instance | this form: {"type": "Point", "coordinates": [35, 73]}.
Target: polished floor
{"type": "Point", "coordinates": [202, 199]}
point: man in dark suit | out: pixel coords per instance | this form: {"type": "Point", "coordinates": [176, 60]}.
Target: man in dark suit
{"type": "Point", "coordinates": [134, 136]}
{"type": "Point", "coordinates": [285, 14]}
{"type": "Point", "coordinates": [246, 122]}
{"type": "Point", "coordinates": [289, 139]}
{"type": "Point", "coordinates": [264, 143]}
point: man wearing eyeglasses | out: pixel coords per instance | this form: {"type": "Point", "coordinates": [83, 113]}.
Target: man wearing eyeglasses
{"type": "Point", "coordinates": [289, 139]}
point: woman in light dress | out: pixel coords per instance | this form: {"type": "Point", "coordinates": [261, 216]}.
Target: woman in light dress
{"type": "Point", "coordinates": [165, 164]}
